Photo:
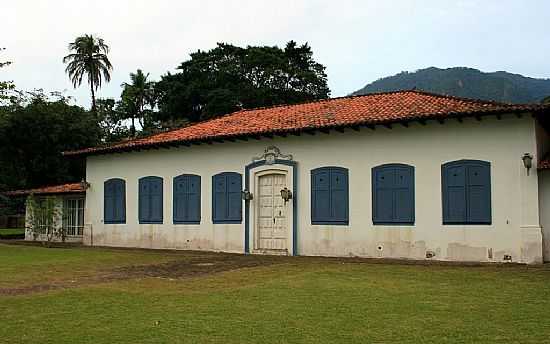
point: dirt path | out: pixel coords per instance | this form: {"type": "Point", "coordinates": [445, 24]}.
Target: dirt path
{"type": "Point", "coordinates": [187, 264]}
{"type": "Point", "coordinates": [198, 265]}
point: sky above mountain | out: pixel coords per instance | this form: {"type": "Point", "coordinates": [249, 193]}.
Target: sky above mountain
{"type": "Point", "coordinates": [358, 41]}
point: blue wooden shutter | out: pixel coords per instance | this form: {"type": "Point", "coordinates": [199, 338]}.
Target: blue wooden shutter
{"type": "Point", "coordinates": [144, 200]}
{"type": "Point", "coordinates": [320, 195]}
{"type": "Point", "coordinates": [180, 199]}
{"type": "Point", "coordinates": [383, 185]}
{"type": "Point", "coordinates": [156, 200]}
{"type": "Point", "coordinates": [109, 202]}
{"type": "Point", "coordinates": [478, 190]}
{"type": "Point", "coordinates": [339, 197]}
{"type": "Point", "coordinates": [226, 193]}
{"type": "Point", "coordinates": [393, 194]}
{"type": "Point", "coordinates": [234, 202]}
{"type": "Point", "coordinates": [150, 200]}
{"type": "Point", "coordinates": [329, 196]}
{"type": "Point", "coordinates": [454, 193]}
{"type": "Point", "coordinates": [119, 188]}
{"type": "Point", "coordinates": [466, 187]}
{"type": "Point", "coordinates": [219, 192]}
{"type": "Point", "coordinates": [193, 211]}
{"type": "Point", "coordinates": [403, 195]}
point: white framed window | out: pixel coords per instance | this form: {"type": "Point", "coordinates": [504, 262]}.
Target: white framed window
{"type": "Point", "coordinates": [73, 216]}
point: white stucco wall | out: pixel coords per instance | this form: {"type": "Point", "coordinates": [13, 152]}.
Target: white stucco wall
{"type": "Point", "coordinates": [515, 228]}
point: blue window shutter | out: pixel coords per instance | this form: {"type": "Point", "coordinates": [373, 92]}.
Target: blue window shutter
{"type": "Point", "coordinates": [119, 201]}
{"type": "Point", "coordinates": [320, 195]}
{"type": "Point", "coordinates": [109, 202]}
{"type": "Point", "coordinates": [156, 200]}
{"type": "Point", "coordinates": [144, 200]}
{"type": "Point", "coordinates": [393, 194]}
{"type": "Point", "coordinates": [150, 200]}
{"type": "Point", "coordinates": [339, 195]}
{"type": "Point", "coordinates": [193, 213]}
{"type": "Point", "coordinates": [329, 196]}
{"type": "Point", "coordinates": [226, 194]}
{"type": "Point", "coordinates": [180, 199]}
{"type": "Point", "coordinates": [454, 187]}
{"type": "Point", "coordinates": [219, 208]}
{"type": "Point", "coordinates": [403, 195]}
{"type": "Point", "coordinates": [234, 202]}
{"type": "Point", "coordinates": [479, 193]}
{"type": "Point", "coordinates": [383, 185]}
{"type": "Point", "coordinates": [466, 187]}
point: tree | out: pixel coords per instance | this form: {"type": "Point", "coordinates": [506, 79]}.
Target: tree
{"type": "Point", "coordinates": [227, 78]}
{"type": "Point", "coordinates": [88, 59]}
{"type": "Point", "coordinates": [34, 132]}
{"type": "Point", "coordinates": [110, 120]}
{"type": "Point", "coordinates": [5, 86]}
{"type": "Point", "coordinates": [546, 100]}
{"type": "Point", "coordinates": [135, 96]}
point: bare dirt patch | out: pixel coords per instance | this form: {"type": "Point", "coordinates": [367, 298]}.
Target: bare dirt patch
{"type": "Point", "coordinates": [183, 266]}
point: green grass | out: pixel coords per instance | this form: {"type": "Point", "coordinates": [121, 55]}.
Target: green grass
{"type": "Point", "coordinates": [12, 230]}
{"type": "Point", "coordinates": [12, 233]}
{"type": "Point", "coordinates": [294, 300]}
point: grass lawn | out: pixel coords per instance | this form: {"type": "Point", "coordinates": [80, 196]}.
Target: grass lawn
{"type": "Point", "coordinates": [12, 233]}
{"type": "Point", "coordinates": [96, 295]}
{"type": "Point", "coordinates": [8, 231]}
{"type": "Point", "coordinates": [12, 230]}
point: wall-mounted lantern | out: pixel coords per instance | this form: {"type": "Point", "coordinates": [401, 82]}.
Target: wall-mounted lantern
{"type": "Point", "coordinates": [527, 161]}
{"type": "Point", "coordinates": [286, 194]}
{"type": "Point", "coordinates": [84, 184]}
{"type": "Point", "coordinates": [246, 195]}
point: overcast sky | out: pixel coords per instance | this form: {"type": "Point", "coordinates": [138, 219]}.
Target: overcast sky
{"type": "Point", "coordinates": [358, 41]}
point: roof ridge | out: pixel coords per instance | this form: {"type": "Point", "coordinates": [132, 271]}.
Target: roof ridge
{"type": "Point", "coordinates": [469, 100]}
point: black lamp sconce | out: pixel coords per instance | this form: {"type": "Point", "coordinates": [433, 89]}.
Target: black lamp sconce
{"type": "Point", "coordinates": [286, 194]}
{"type": "Point", "coordinates": [527, 161]}
{"type": "Point", "coordinates": [246, 195]}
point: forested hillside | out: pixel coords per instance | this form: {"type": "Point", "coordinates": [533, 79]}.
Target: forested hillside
{"type": "Point", "coordinates": [466, 82]}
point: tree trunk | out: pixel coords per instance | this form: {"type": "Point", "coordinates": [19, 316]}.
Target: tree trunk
{"type": "Point", "coordinates": [93, 97]}
{"type": "Point", "coordinates": [133, 128]}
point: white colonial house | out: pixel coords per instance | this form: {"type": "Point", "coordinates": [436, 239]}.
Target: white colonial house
{"type": "Point", "coordinates": [404, 174]}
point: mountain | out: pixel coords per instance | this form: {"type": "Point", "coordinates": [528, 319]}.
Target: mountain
{"type": "Point", "coordinates": [466, 82]}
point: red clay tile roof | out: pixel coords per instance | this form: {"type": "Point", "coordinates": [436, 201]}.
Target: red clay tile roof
{"type": "Point", "coordinates": [50, 190]}
{"type": "Point", "coordinates": [372, 109]}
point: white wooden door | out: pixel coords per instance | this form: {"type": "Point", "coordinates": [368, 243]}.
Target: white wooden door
{"type": "Point", "coordinates": [272, 224]}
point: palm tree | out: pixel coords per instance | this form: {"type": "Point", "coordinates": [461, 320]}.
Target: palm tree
{"type": "Point", "coordinates": [137, 94]}
{"type": "Point", "coordinates": [89, 58]}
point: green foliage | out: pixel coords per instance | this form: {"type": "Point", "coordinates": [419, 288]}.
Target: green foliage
{"type": "Point", "coordinates": [138, 100]}
{"type": "Point", "coordinates": [546, 100]}
{"type": "Point", "coordinates": [34, 132]}
{"type": "Point", "coordinates": [5, 86]}
{"type": "Point", "coordinates": [227, 78]}
{"type": "Point", "coordinates": [12, 233]}
{"type": "Point", "coordinates": [43, 219]}
{"type": "Point", "coordinates": [110, 119]}
{"type": "Point", "coordinates": [466, 82]}
{"type": "Point", "coordinates": [88, 59]}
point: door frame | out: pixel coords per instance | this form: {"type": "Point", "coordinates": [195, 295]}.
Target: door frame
{"type": "Point", "coordinates": [251, 175]}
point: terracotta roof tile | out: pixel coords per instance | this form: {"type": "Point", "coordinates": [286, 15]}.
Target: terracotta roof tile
{"type": "Point", "coordinates": [50, 190]}
{"type": "Point", "coordinates": [372, 109]}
